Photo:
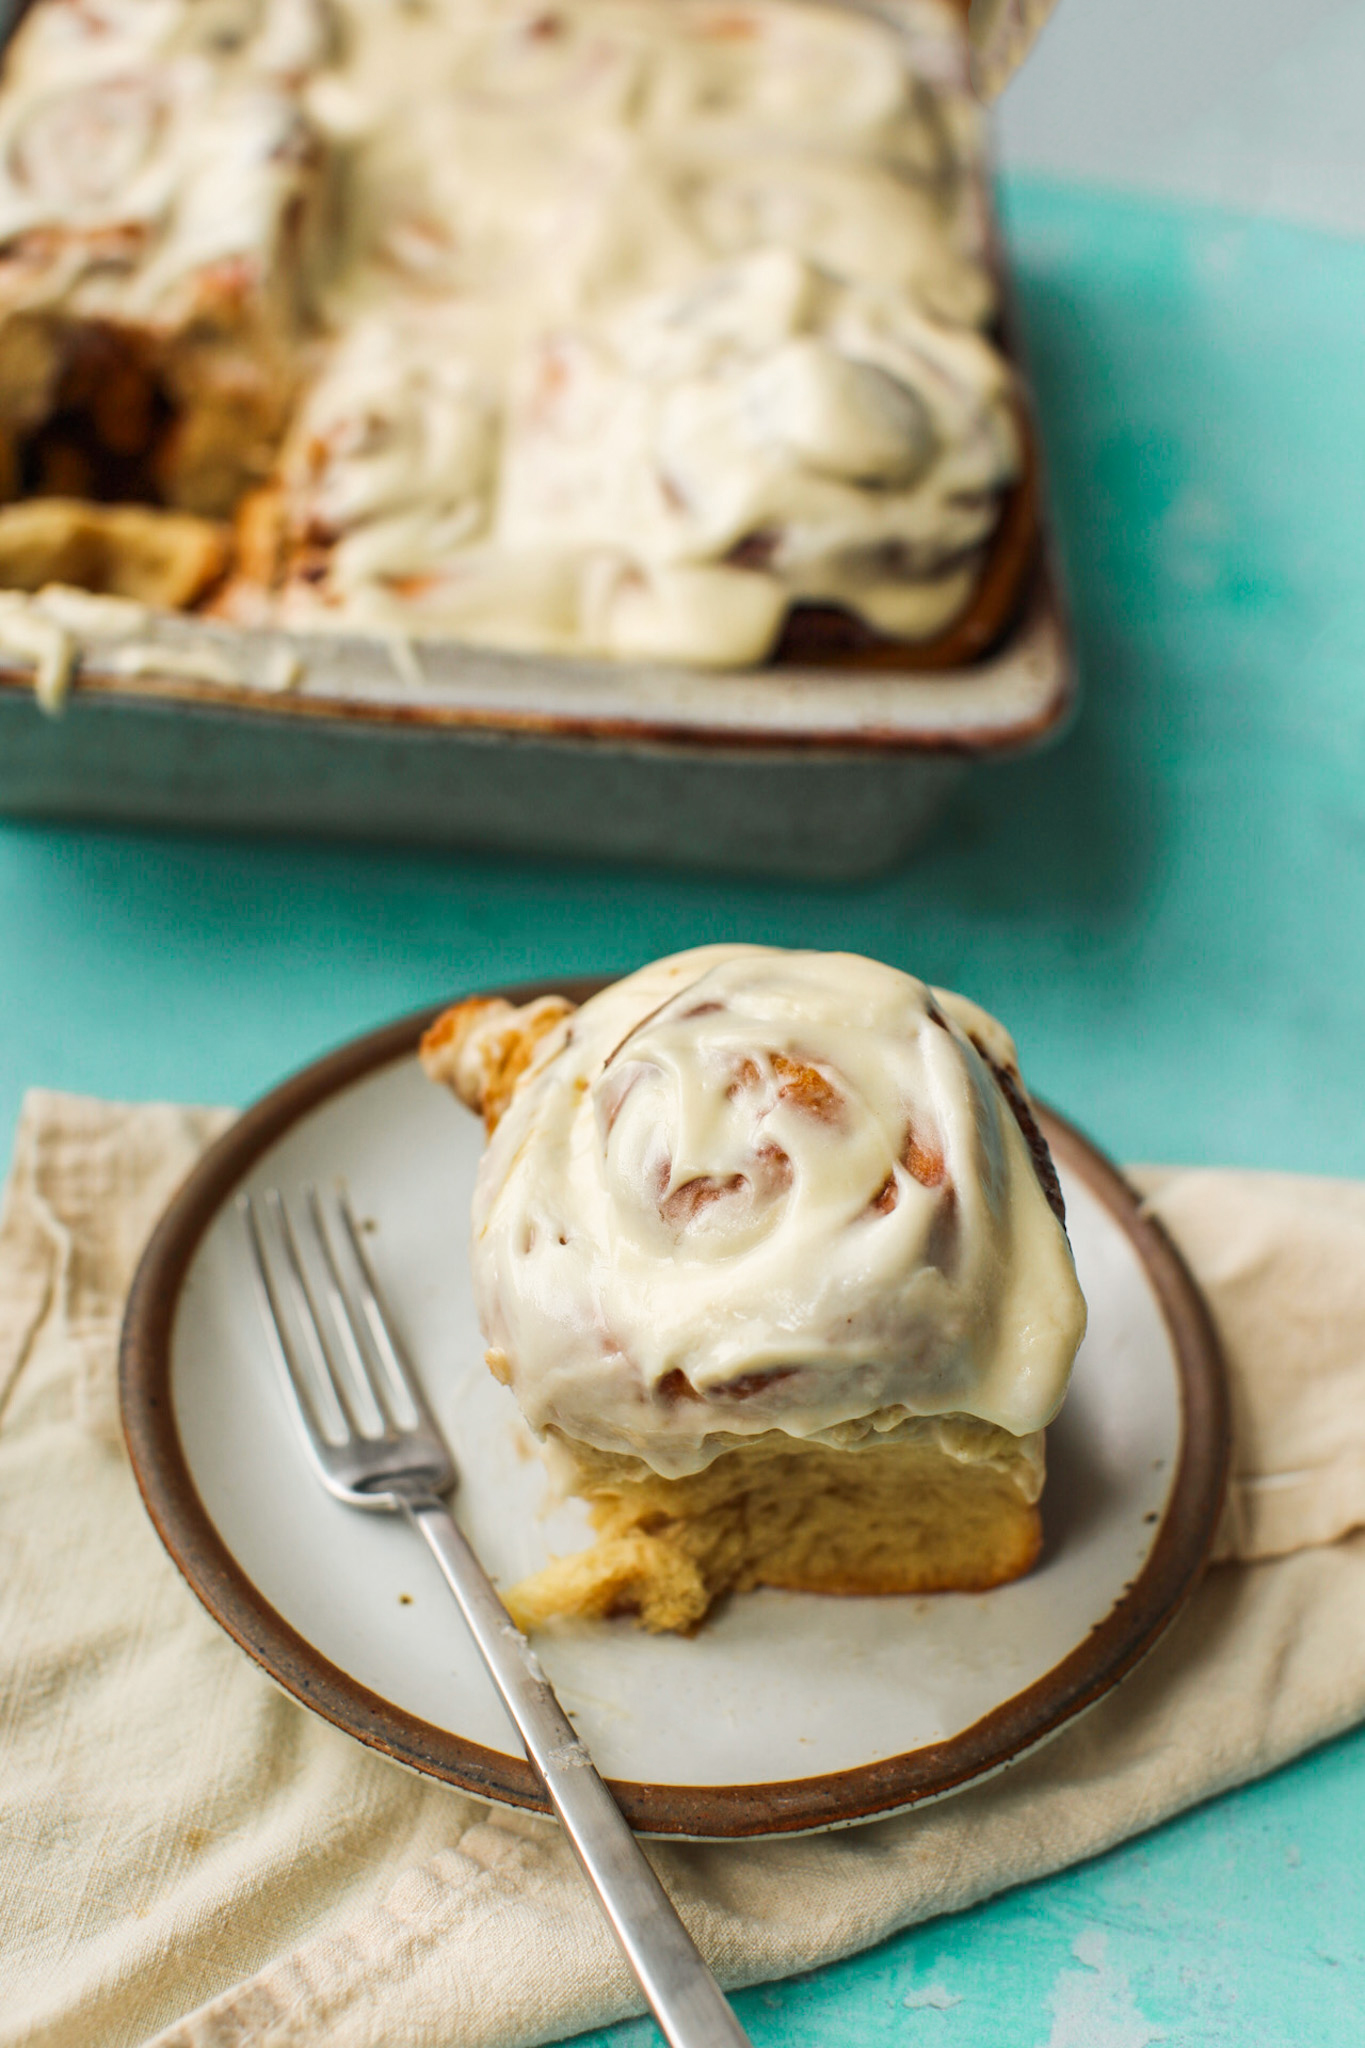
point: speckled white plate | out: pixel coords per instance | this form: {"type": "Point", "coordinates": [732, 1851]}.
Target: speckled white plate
{"type": "Point", "coordinates": [787, 1711]}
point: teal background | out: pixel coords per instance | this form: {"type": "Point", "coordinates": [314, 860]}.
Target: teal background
{"type": "Point", "coordinates": [1169, 911]}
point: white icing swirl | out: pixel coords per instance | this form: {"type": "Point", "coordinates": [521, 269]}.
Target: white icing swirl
{"type": "Point", "coordinates": [747, 1190]}
{"type": "Point", "coordinates": [143, 143]}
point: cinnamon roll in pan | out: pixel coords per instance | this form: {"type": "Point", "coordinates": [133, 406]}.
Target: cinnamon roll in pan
{"type": "Point", "coordinates": [769, 1249]}
{"type": "Point", "coordinates": [652, 334]}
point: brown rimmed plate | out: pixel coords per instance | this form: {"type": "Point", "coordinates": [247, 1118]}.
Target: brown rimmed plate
{"type": "Point", "coordinates": [788, 1712]}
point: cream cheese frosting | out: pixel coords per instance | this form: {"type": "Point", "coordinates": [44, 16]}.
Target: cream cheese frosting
{"type": "Point", "coordinates": [147, 143]}
{"type": "Point", "coordinates": [748, 1190]}
{"type": "Point", "coordinates": [694, 297]}
{"type": "Point", "coordinates": [622, 327]}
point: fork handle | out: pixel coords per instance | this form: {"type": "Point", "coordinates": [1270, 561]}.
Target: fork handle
{"type": "Point", "coordinates": [684, 1997]}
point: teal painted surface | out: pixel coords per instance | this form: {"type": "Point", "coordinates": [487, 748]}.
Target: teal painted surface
{"type": "Point", "coordinates": [1240, 1926]}
{"type": "Point", "coordinates": [1169, 911]}
{"type": "Point", "coordinates": [1166, 910]}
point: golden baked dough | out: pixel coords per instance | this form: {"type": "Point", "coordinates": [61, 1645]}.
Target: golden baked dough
{"type": "Point", "coordinates": [892, 1518]}
{"type": "Point", "coordinates": [167, 559]}
{"type": "Point", "coordinates": [481, 1048]}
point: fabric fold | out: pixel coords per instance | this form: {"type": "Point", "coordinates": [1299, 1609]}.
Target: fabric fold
{"type": "Point", "coordinates": [1281, 1259]}
{"type": "Point", "coordinates": [1002, 34]}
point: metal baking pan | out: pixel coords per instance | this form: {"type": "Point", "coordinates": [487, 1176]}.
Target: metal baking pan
{"type": "Point", "coordinates": [796, 771]}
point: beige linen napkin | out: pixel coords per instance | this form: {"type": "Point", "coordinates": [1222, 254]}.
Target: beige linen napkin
{"type": "Point", "coordinates": [1002, 34]}
{"type": "Point", "coordinates": [188, 1857]}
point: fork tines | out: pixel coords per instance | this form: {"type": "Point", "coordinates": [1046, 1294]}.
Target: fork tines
{"type": "Point", "coordinates": [353, 1390]}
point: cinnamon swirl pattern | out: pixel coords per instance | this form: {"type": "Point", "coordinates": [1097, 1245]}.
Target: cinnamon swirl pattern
{"type": "Point", "coordinates": [746, 1191]}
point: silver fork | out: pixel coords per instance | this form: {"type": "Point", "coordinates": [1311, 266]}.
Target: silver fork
{"type": "Point", "coordinates": [375, 1444]}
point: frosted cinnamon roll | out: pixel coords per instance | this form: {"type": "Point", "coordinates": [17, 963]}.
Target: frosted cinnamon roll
{"type": "Point", "coordinates": [769, 1248]}
{"type": "Point", "coordinates": [161, 193]}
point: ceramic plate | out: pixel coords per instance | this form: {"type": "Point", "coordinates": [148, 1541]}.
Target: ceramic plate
{"type": "Point", "coordinates": [787, 1711]}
